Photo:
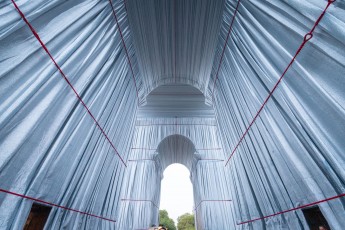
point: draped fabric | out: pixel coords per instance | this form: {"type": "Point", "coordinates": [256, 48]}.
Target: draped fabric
{"type": "Point", "coordinates": [294, 152]}
{"type": "Point", "coordinates": [159, 142]}
{"type": "Point", "coordinates": [175, 40]}
{"type": "Point", "coordinates": [51, 148]}
{"type": "Point", "coordinates": [175, 100]}
{"type": "Point", "coordinates": [76, 133]}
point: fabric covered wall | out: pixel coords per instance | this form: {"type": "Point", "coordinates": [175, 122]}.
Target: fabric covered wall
{"type": "Point", "coordinates": [292, 154]}
{"type": "Point", "coordinates": [72, 76]}
{"type": "Point", "coordinates": [50, 146]}
{"type": "Point", "coordinates": [157, 143]}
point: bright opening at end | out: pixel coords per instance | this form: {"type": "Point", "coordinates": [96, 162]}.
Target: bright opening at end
{"type": "Point", "coordinates": [176, 191]}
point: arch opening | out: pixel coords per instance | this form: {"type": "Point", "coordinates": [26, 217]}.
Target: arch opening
{"type": "Point", "coordinates": [177, 195]}
{"type": "Point", "coordinates": [176, 157]}
{"type": "Point", "coordinates": [176, 149]}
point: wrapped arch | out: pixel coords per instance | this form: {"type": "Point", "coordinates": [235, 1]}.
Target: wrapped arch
{"type": "Point", "coordinates": [74, 81]}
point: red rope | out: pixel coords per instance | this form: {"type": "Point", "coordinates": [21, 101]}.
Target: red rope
{"type": "Point", "coordinates": [124, 45]}
{"type": "Point", "coordinates": [131, 200]}
{"type": "Point", "coordinates": [125, 4]}
{"type": "Point", "coordinates": [211, 201]}
{"type": "Point", "coordinates": [226, 42]}
{"type": "Point", "coordinates": [292, 209]}
{"type": "Point", "coordinates": [306, 38]}
{"type": "Point", "coordinates": [55, 205]}
{"type": "Point", "coordinates": [66, 79]}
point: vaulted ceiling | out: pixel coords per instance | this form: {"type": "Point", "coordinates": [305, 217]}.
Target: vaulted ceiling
{"type": "Point", "coordinates": [96, 97]}
{"type": "Point", "coordinates": [175, 100]}
{"type": "Point", "coordinates": [175, 41]}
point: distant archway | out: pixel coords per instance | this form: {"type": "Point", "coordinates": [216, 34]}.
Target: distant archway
{"type": "Point", "coordinates": [154, 149]}
{"type": "Point", "coordinates": [176, 149]}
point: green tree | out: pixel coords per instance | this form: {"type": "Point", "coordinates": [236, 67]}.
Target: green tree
{"type": "Point", "coordinates": [186, 222]}
{"type": "Point", "coordinates": [165, 220]}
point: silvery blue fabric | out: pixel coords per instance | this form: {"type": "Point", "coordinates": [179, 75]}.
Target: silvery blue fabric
{"type": "Point", "coordinates": [51, 149]}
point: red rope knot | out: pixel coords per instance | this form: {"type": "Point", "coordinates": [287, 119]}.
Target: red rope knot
{"type": "Point", "coordinates": [331, 1]}
{"type": "Point", "coordinates": [308, 36]}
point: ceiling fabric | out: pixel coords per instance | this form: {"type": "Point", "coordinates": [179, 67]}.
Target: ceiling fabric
{"type": "Point", "coordinates": [175, 100]}
{"type": "Point", "coordinates": [75, 77]}
{"type": "Point", "coordinates": [175, 40]}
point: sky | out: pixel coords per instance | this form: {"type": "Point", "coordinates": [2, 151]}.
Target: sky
{"type": "Point", "coordinates": [176, 191]}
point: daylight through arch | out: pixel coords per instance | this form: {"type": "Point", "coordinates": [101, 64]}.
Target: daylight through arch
{"type": "Point", "coordinates": [256, 86]}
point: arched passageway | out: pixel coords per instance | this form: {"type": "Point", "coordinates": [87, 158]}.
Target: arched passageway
{"type": "Point", "coordinates": [74, 79]}
{"type": "Point", "coordinates": [143, 179]}
{"type": "Point", "coordinates": [176, 149]}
